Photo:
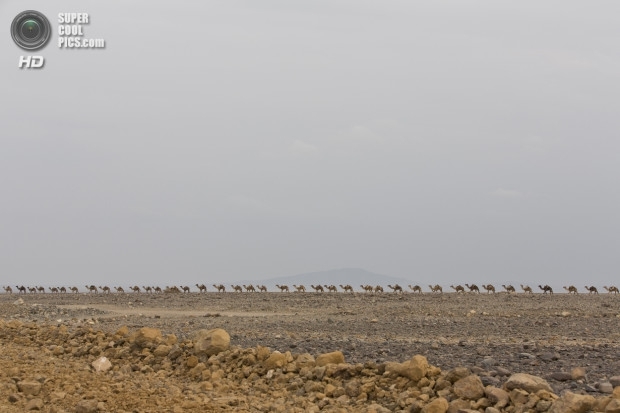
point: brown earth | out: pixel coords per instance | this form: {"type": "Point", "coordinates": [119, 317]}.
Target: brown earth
{"type": "Point", "coordinates": [571, 341]}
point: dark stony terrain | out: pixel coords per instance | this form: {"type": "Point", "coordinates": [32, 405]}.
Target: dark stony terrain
{"type": "Point", "coordinates": [492, 334]}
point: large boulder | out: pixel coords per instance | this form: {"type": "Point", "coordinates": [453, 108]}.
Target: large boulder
{"type": "Point", "coordinates": [527, 382]}
{"type": "Point", "coordinates": [211, 342]}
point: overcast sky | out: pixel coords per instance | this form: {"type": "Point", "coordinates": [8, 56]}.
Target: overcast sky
{"type": "Point", "coordinates": [440, 141]}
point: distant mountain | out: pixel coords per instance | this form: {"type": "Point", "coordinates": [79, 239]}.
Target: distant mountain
{"type": "Point", "coordinates": [344, 276]}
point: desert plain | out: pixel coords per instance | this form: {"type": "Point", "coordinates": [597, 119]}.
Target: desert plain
{"type": "Point", "coordinates": [571, 342]}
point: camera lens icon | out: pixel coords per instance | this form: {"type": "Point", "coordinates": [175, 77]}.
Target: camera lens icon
{"type": "Point", "coordinates": [30, 30]}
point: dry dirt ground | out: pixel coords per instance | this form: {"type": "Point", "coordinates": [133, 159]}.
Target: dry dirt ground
{"type": "Point", "coordinates": [494, 335]}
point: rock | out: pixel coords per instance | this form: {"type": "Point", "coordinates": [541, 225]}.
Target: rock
{"type": "Point", "coordinates": [191, 361]}
{"type": "Point", "coordinates": [211, 342]}
{"type": "Point", "coordinates": [489, 381]}
{"type": "Point", "coordinates": [501, 371]}
{"type": "Point", "coordinates": [19, 301]}
{"type": "Point", "coordinates": [305, 360]}
{"type": "Point", "coordinates": [489, 362]}
{"type": "Point", "coordinates": [458, 405]}
{"type": "Point", "coordinates": [14, 398]}
{"type": "Point", "coordinates": [573, 403]}
{"type": "Point", "coordinates": [561, 376]}
{"type": "Point", "coordinates": [34, 404]}
{"type": "Point", "coordinates": [102, 364]}
{"type": "Point", "coordinates": [86, 406]}
{"type": "Point", "coordinates": [413, 369]}
{"type": "Point", "coordinates": [615, 381]}
{"type": "Point", "coordinates": [276, 360]}
{"type": "Point", "coordinates": [578, 373]}
{"type": "Point", "coordinates": [518, 396]}
{"type": "Point", "coordinates": [335, 357]}
{"type": "Point", "coordinates": [29, 387]}
{"type": "Point", "coordinates": [470, 388]}
{"type": "Point", "coordinates": [548, 356]}
{"type": "Point", "coordinates": [605, 387]}
{"type": "Point", "coordinates": [147, 337]}
{"type": "Point", "coordinates": [162, 350]}
{"type": "Point", "coordinates": [527, 382]}
{"type": "Point", "coordinates": [613, 406]}
{"type": "Point", "coordinates": [497, 396]}
{"type": "Point", "coordinates": [457, 374]}
{"type": "Point", "coordinates": [122, 332]}
{"type": "Point", "coordinates": [439, 405]}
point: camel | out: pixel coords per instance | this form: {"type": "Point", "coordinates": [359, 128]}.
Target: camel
{"type": "Point", "coordinates": [458, 288]}
{"type": "Point", "coordinates": [62, 290]}
{"type": "Point", "coordinates": [346, 288]}
{"type": "Point", "coordinates": [396, 288]}
{"type": "Point", "coordinates": [262, 288]}
{"type": "Point", "coordinates": [249, 288]}
{"type": "Point", "coordinates": [592, 289]}
{"type": "Point", "coordinates": [74, 290]}
{"type": "Point", "coordinates": [367, 288]}
{"type": "Point", "coordinates": [317, 288]}
{"type": "Point", "coordinates": [612, 289]}
{"type": "Point", "coordinates": [436, 288]}
{"type": "Point", "coordinates": [147, 289]}
{"type": "Point", "coordinates": [135, 289]}
{"type": "Point", "coordinates": [571, 289]}
{"type": "Point", "coordinates": [53, 290]}
{"type": "Point", "coordinates": [21, 289]}
{"type": "Point", "coordinates": [201, 288]}
{"type": "Point", "coordinates": [91, 288]}
{"type": "Point", "coordinates": [40, 289]}
{"type": "Point", "coordinates": [473, 288]}
{"type": "Point", "coordinates": [220, 288]}
{"type": "Point", "coordinates": [32, 290]}
{"type": "Point", "coordinates": [173, 289]}
{"type": "Point", "coordinates": [282, 288]}
{"type": "Point", "coordinates": [237, 288]}
{"type": "Point", "coordinates": [8, 290]}
{"type": "Point", "coordinates": [489, 287]}
{"type": "Point", "coordinates": [105, 289]}
{"type": "Point", "coordinates": [546, 289]}
{"type": "Point", "coordinates": [509, 288]}
{"type": "Point", "coordinates": [299, 288]}
{"type": "Point", "coordinates": [119, 289]}
{"type": "Point", "coordinates": [157, 290]}
{"type": "Point", "coordinates": [378, 289]}
{"type": "Point", "coordinates": [415, 288]}
{"type": "Point", "coordinates": [527, 289]}
{"type": "Point", "coordinates": [331, 288]}
{"type": "Point", "coordinates": [185, 289]}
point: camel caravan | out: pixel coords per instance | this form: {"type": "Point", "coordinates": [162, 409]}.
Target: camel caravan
{"type": "Point", "coordinates": [299, 289]}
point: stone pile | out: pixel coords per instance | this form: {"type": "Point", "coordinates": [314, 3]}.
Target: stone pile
{"type": "Point", "coordinates": [56, 369]}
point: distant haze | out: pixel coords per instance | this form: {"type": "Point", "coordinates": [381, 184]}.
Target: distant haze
{"type": "Point", "coordinates": [441, 142]}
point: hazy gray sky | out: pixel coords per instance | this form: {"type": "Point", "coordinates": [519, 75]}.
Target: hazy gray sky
{"type": "Point", "coordinates": [441, 141]}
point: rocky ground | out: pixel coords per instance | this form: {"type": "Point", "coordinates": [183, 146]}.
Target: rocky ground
{"type": "Point", "coordinates": [571, 343]}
